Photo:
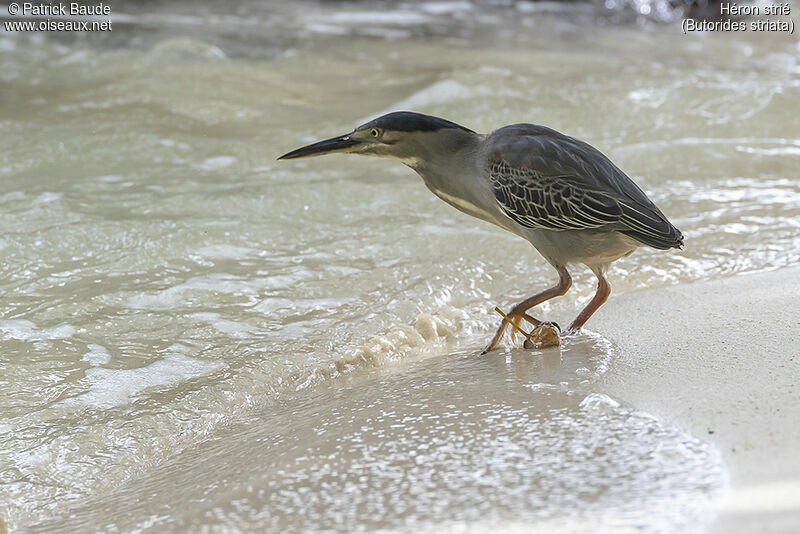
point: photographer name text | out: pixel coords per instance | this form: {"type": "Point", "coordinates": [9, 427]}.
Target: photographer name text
{"type": "Point", "coordinates": [72, 11]}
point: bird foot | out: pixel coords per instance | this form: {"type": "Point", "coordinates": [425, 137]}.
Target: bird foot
{"type": "Point", "coordinates": [542, 336]}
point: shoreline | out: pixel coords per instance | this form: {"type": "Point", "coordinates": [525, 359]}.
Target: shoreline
{"type": "Point", "coordinates": [721, 359]}
{"type": "Point", "coordinates": [702, 377]}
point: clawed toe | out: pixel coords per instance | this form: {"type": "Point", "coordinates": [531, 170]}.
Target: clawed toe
{"type": "Point", "coordinates": [543, 334]}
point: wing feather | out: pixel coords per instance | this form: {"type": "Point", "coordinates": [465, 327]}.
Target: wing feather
{"type": "Point", "coordinates": [544, 179]}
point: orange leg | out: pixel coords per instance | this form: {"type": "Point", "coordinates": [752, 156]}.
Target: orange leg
{"type": "Point", "coordinates": [603, 291]}
{"type": "Point", "coordinates": [518, 312]}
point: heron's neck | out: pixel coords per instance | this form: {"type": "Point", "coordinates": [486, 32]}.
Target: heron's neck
{"type": "Point", "coordinates": [442, 158]}
{"type": "Point", "coordinates": [449, 166]}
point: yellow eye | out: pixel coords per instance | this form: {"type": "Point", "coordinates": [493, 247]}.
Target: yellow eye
{"type": "Point", "coordinates": [374, 132]}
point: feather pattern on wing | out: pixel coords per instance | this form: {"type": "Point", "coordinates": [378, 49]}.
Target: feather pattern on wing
{"type": "Point", "coordinates": [544, 179]}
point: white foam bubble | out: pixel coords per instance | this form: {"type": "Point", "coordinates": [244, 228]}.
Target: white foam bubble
{"type": "Point", "coordinates": [220, 283]}
{"type": "Point", "coordinates": [110, 178]}
{"type": "Point", "coordinates": [234, 328]}
{"type": "Point", "coordinates": [541, 386]}
{"type": "Point", "coordinates": [185, 48]}
{"type": "Point", "coordinates": [432, 327]}
{"type": "Point", "coordinates": [273, 304]}
{"type": "Point", "coordinates": [25, 330]}
{"type": "Point", "coordinates": [328, 29]}
{"type": "Point", "coordinates": [81, 56]}
{"type": "Point", "coordinates": [446, 8]}
{"type": "Point", "coordinates": [48, 196]}
{"type": "Point", "coordinates": [597, 402]}
{"type": "Point", "coordinates": [213, 164]}
{"type": "Point", "coordinates": [428, 333]}
{"type": "Point", "coordinates": [784, 151]}
{"type": "Point", "coordinates": [97, 355]}
{"type": "Point", "coordinates": [115, 387]}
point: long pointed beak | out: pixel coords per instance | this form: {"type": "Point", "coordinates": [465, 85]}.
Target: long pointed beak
{"type": "Point", "coordinates": [343, 143]}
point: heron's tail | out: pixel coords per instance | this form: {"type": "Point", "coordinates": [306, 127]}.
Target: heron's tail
{"type": "Point", "coordinates": [673, 239]}
{"type": "Point", "coordinates": [649, 226]}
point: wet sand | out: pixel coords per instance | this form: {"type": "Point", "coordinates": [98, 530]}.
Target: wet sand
{"type": "Point", "coordinates": [722, 360]}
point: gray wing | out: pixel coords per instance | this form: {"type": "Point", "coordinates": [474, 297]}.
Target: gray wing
{"type": "Point", "coordinates": [544, 179]}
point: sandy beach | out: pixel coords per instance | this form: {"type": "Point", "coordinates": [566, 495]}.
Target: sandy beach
{"type": "Point", "coordinates": [721, 359]}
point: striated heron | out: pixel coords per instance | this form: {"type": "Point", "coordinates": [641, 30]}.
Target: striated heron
{"type": "Point", "coordinates": [561, 194]}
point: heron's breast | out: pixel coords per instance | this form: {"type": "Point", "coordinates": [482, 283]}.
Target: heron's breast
{"type": "Point", "coordinates": [467, 193]}
{"type": "Point", "coordinates": [582, 246]}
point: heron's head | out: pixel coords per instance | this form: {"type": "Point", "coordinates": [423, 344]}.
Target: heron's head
{"type": "Point", "coordinates": [402, 135]}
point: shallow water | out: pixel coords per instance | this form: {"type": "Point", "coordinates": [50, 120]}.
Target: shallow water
{"type": "Point", "coordinates": [184, 318]}
{"type": "Point", "coordinates": [452, 443]}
